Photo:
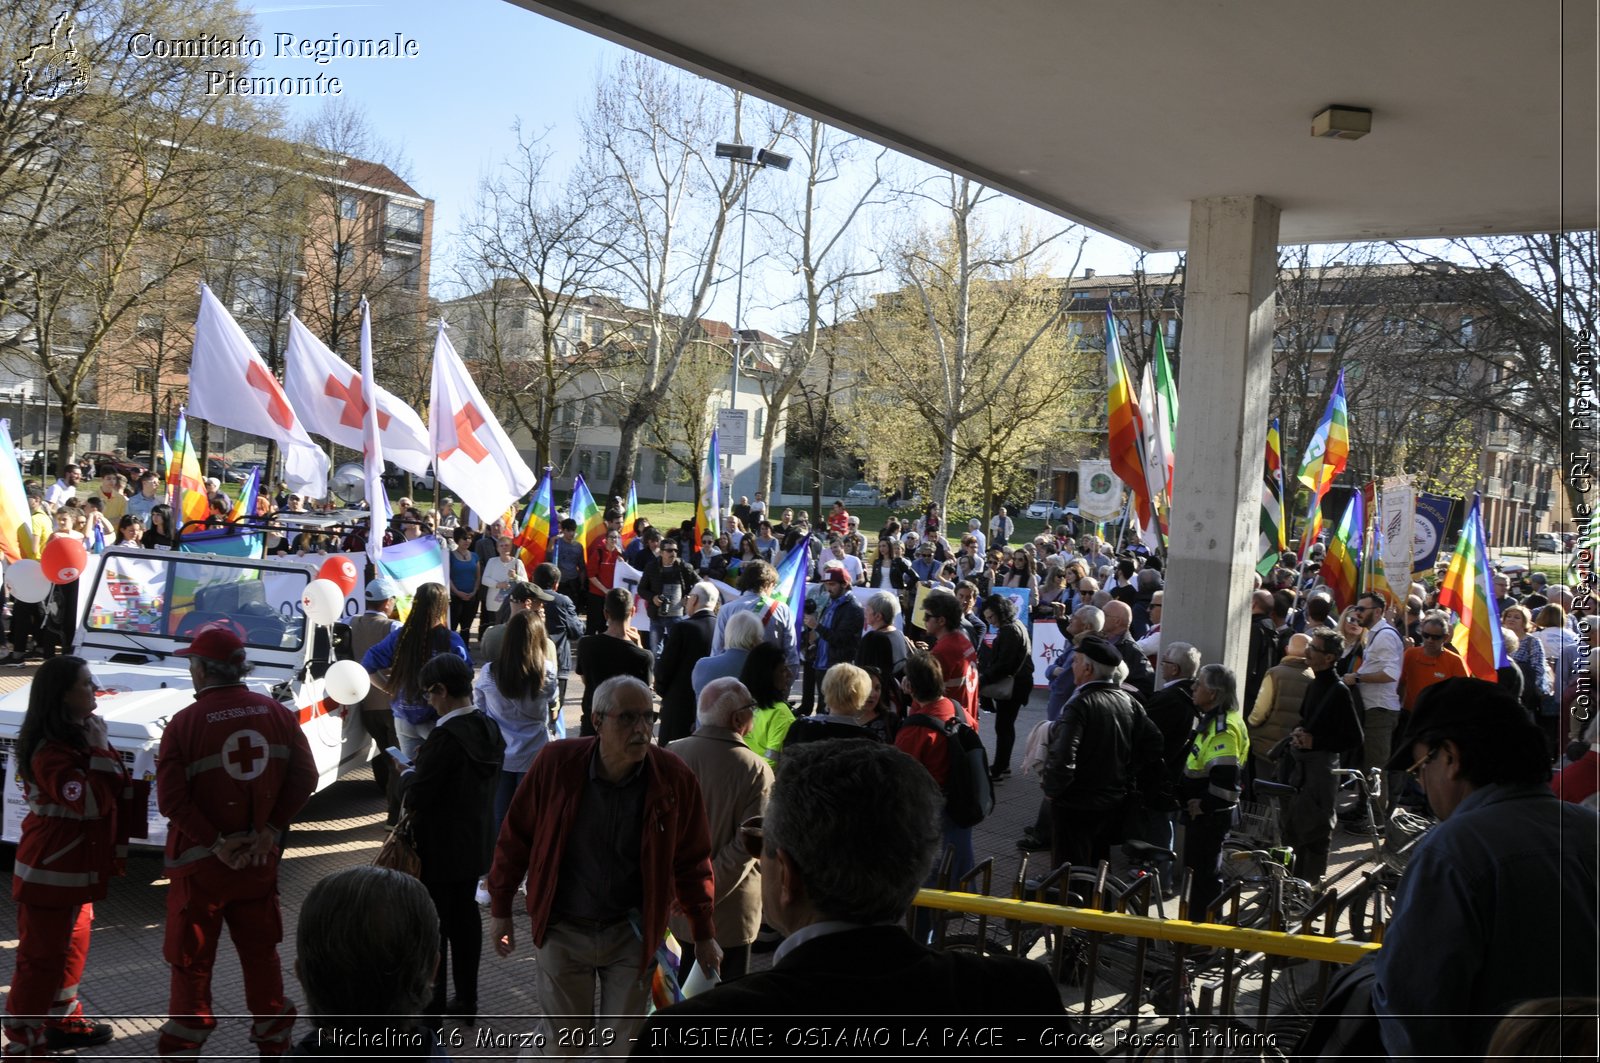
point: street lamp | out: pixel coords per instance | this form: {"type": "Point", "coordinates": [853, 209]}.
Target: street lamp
{"type": "Point", "coordinates": [760, 159]}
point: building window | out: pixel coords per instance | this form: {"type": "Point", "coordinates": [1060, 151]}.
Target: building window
{"type": "Point", "coordinates": [144, 380]}
{"type": "Point", "coordinates": [602, 466]}
{"type": "Point", "coordinates": [658, 473]}
{"type": "Point", "coordinates": [403, 223]}
{"type": "Point", "coordinates": [761, 421]}
{"type": "Point", "coordinates": [597, 333]}
{"type": "Point", "coordinates": [591, 414]}
{"type": "Point", "coordinates": [344, 255]}
{"type": "Point", "coordinates": [566, 459]}
{"type": "Point", "coordinates": [404, 270]}
{"type": "Point", "coordinates": [347, 207]}
{"type": "Point", "coordinates": [519, 318]}
{"type": "Point", "coordinates": [586, 462]}
{"type": "Point", "coordinates": [149, 327]}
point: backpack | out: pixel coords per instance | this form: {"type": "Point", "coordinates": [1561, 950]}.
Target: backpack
{"type": "Point", "coordinates": [968, 790]}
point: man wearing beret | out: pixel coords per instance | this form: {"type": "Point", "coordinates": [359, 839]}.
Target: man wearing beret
{"type": "Point", "coordinates": [1096, 749]}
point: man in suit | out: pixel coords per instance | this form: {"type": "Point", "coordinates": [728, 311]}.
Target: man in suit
{"type": "Point", "coordinates": [839, 886]}
{"type": "Point", "coordinates": [687, 643]}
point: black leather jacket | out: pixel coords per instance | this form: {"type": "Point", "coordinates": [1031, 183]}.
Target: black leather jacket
{"type": "Point", "coordinates": [1097, 747]}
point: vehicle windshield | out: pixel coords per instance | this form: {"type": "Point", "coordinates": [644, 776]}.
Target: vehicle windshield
{"type": "Point", "coordinates": [158, 596]}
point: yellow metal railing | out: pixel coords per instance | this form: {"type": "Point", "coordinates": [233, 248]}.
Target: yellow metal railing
{"type": "Point", "coordinates": [1211, 935]}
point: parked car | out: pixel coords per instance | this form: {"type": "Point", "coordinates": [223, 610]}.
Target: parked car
{"type": "Point", "coordinates": [102, 462]}
{"type": "Point", "coordinates": [1547, 541]}
{"type": "Point", "coordinates": [394, 477]}
{"type": "Point", "coordinates": [219, 468]}
{"type": "Point", "coordinates": [1045, 509]}
{"type": "Point", "coordinates": [862, 494]}
{"type": "Point", "coordinates": [240, 472]}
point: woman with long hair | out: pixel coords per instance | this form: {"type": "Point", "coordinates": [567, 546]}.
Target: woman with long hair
{"type": "Point", "coordinates": [881, 713]}
{"type": "Point", "coordinates": [1022, 572]}
{"type": "Point", "coordinates": [396, 663]}
{"type": "Point", "coordinates": [517, 689]}
{"type": "Point", "coordinates": [129, 530]}
{"type": "Point", "coordinates": [768, 677]}
{"type": "Point", "coordinates": [1005, 671]}
{"type": "Point", "coordinates": [450, 795]}
{"type": "Point", "coordinates": [159, 535]}
{"type": "Point", "coordinates": [74, 839]}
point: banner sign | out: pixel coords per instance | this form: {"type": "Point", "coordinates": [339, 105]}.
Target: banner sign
{"type": "Point", "coordinates": [1099, 491]}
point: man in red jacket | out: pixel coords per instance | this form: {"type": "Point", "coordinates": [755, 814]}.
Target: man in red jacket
{"type": "Point", "coordinates": [598, 913]}
{"type": "Point", "coordinates": [233, 770]}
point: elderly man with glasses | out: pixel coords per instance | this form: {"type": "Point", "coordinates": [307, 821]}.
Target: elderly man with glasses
{"type": "Point", "coordinates": [1497, 905]}
{"type": "Point", "coordinates": [609, 833]}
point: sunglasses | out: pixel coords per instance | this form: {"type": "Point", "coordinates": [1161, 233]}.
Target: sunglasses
{"type": "Point", "coordinates": [1432, 638]}
{"type": "Point", "coordinates": [753, 837]}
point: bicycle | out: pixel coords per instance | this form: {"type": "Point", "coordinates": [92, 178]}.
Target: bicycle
{"type": "Point", "coordinates": [1366, 907]}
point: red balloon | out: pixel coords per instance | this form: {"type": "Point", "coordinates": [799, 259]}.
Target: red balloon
{"type": "Point", "coordinates": [63, 559]}
{"type": "Point", "coordinates": [342, 571]}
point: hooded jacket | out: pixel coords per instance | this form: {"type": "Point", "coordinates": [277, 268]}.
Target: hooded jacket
{"type": "Point", "coordinates": [450, 793]}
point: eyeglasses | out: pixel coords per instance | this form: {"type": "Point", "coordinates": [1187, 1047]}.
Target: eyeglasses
{"type": "Point", "coordinates": [1415, 771]}
{"type": "Point", "coordinates": [1426, 637]}
{"type": "Point", "coordinates": [753, 836]}
{"type": "Point", "coordinates": [629, 720]}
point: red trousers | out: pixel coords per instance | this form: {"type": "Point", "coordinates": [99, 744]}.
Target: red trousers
{"type": "Point", "coordinates": [197, 907]}
{"type": "Point", "coordinates": [52, 945]}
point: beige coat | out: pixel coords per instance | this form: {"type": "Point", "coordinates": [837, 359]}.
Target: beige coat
{"type": "Point", "coordinates": [735, 783]}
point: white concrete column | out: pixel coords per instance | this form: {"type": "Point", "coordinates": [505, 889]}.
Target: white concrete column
{"type": "Point", "coordinates": [1229, 300]}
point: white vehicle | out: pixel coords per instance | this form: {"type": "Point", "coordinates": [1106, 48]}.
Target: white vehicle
{"type": "Point", "coordinates": [1047, 509]}
{"type": "Point", "coordinates": [139, 606]}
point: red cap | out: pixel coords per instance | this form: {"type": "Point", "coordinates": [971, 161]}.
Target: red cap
{"type": "Point", "coordinates": [836, 574]}
{"type": "Point", "coordinates": [217, 641]}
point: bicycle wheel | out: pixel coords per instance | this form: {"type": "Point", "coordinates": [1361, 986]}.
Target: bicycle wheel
{"type": "Point", "coordinates": [1361, 909]}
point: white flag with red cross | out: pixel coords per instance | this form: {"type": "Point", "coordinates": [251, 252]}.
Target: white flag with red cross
{"type": "Point", "coordinates": [475, 457]}
{"type": "Point", "coordinates": [327, 394]}
{"type": "Point", "coordinates": [372, 443]}
{"type": "Point", "coordinates": [230, 385]}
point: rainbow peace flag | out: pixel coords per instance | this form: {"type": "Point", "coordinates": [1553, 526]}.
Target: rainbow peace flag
{"type": "Point", "coordinates": [1341, 566]}
{"type": "Point", "coordinates": [1272, 542]}
{"type": "Point", "coordinates": [591, 525]}
{"type": "Point", "coordinates": [412, 563]}
{"type": "Point", "coordinates": [185, 482]}
{"type": "Point", "coordinates": [1125, 426]}
{"type": "Point", "coordinates": [707, 515]}
{"type": "Point", "coordinates": [1466, 590]}
{"type": "Point", "coordinates": [533, 537]}
{"type": "Point", "coordinates": [14, 513]}
{"type": "Point", "coordinates": [630, 514]}
{"type": "Point", "coordinates": [246, 506]}
{"type": "Point", "coordinates": [1325, 458]}
{"type": "Point", "coordinates": [791, 588]}
{"type": "Point", "coordinates": [166, 452]}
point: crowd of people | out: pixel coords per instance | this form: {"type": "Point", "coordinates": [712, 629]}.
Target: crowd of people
{"type": "Point", "coordinates": [717, 751]}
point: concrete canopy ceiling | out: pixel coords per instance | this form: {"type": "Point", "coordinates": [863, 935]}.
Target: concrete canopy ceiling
{"type": "Point", "coordinates": [1118, 114]}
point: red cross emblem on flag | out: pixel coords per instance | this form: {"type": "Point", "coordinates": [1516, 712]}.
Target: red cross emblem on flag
{"type": "Point", "coordinates": [277, 402]}
{"type": "Point", "coordinates": [467, 422]}
{"type": "Point", "coordinates": [354, 413]}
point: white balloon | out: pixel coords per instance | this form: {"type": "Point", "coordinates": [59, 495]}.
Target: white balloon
{"type": "Point", "coordinates": [346, 682]}
{"type": "Point", "coordinates": [322, 600]}
{"type": "Point", "coordinates": [26, 581]}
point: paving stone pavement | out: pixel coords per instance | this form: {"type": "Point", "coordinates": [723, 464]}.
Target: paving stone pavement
{"type": "Point", "coordinates": [126, 978]}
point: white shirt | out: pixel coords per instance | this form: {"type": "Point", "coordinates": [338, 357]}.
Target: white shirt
{"type": "Point", "coordinates": [1383, 653]}
{"type": "Point", "coordinates": [1002, 526]}
{"type": "Point", "coordinates": [60, 492]}
{"type": "Point", "coordinates": [852, 565]}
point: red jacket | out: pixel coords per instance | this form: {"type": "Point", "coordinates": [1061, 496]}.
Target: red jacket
{"type": "Point", "coordinates": [75, 836]}
{"type": "Point", "coordinates": [675, 853]}
{"type": "Point", "coordinates": [232, 761]}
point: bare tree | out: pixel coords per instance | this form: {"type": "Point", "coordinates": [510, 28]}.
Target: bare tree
{"type": "Point", "coordinates": [969, 311]}
{"type": "Point", "coordinates": [650, 130]}
{"type": "Point", "coordinates": [531, 251]}
{"type": "Point", "coordinates": [820, 254]}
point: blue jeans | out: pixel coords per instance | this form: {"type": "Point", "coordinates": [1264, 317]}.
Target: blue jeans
{"type": "Point", "coordinates": [505, 789]}
{"type": "Point", "coordinates": [411, 735]}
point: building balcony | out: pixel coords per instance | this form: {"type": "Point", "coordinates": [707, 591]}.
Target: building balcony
{"type": "Point", "coordinates": [1494, 487]}
{"type": "Point", "coordinates": [1500, 440]}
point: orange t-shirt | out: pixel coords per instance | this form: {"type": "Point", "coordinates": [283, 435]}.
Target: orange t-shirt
{"type": "Point", "coordinates": [1418, 672]}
